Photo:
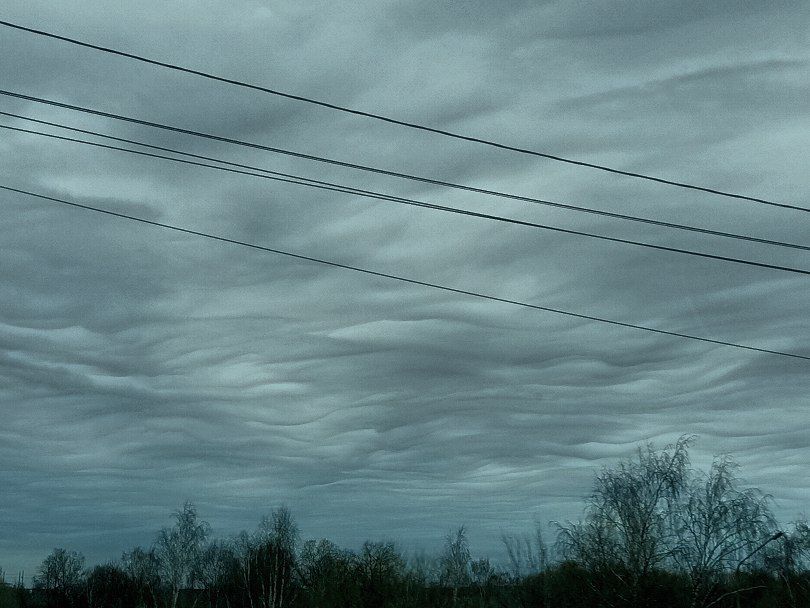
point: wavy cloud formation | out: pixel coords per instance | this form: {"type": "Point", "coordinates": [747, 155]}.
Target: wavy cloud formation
{"type": "Point", "coordinates": [139, 368]}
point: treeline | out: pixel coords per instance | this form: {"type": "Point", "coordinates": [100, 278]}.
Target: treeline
{"type": "Point", "coordinates": [655, 533]}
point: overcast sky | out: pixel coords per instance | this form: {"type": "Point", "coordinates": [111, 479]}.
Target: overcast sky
{"type": "Point", "coordinates": [140, 367]}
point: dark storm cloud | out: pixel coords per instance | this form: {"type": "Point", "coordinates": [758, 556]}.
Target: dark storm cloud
{"type": "Point", "coordinates": [139, 367]}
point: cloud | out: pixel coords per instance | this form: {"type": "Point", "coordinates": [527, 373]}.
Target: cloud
{"type": "Point", "coordinates": [140, 368]}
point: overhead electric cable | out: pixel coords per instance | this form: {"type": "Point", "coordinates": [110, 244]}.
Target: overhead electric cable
{"type": "Point", "coordinates": [387, 119]}
{"type": "Point", "coordinates": [338, 188]}
{"type": "Point", "coordinates": [312, 157]}
{"type": "Point", "coordinates": [386, 275]}
{"type": "Point", "coordinates": [383, 196]}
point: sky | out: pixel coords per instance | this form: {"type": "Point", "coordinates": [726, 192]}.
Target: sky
{"type": "Point", "coordinates": [140, 368]}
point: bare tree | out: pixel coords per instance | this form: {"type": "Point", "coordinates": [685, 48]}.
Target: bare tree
{"type": "Point", "coordinates": [455, 562]}
{"type": "Point", "coordinates": [109, 586]}
{"type": "Point", "coordinates": [423, 567]}
{"type": "Point", "coordinates": [789, 560]}
{"type": "Point", "coordinates": [216, 570]}
{"type": "Point", "coordinates": [487, 580]}
{"type": "Point", "coordinates": [178, 551]}
{"type": "Point", "coordinates": [421, 574]}
{"type": "Point", "coordinates": [60, 576]}
{"type": "Point", "coordinates": [267, 561]}
{"type": "Point", "coordinates": [528, 554]}
{"type": "Point", "coordinates": [142, 569]}
{"type": "Point", "coordinates": [327, 575]}
{"type": "Point", "coordinates": [792, 555]}
{"type": "Point", "coordinates": [280, 528]}
{"type": "Point", "coordinates": [380, 570]}
{"type": "Point", "coordinates": [720, 528]}
{"type": "Point", "coordinates": [627, 532]}
{"type": "Point", "coordinates": [591, 545]}
{"type": "Point", "coordinates": [5, 589]}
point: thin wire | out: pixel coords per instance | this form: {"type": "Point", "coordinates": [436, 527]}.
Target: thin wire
{"type": "Point", "coordinates": [401, 278]}
{"type": "Point", "coordinates": [383, 196]}
{"type": "Point", "coordinates": [390, 120]}
{"type": "Point", "coordinates": [338, 188]}
{"type": "Point", "coordinates": [311, 157]}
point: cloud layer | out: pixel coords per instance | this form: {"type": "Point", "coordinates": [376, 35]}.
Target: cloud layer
{"type": "Point", "coordinates": [139, 367]}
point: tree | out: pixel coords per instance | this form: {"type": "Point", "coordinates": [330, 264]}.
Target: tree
{"type": "Point", "coordinates": [280, 528]}
{"type": "Point", "coordinates": [421, 575]}
{"type": "Point", "coordinates": [528, 554]}
{"type": "Point", "coordinates": [60, 577]}
{"type": "Point", "coordinates": [217, 573]}
{"type": "Point", "coordinates": [720, 528]}
{"type": "Point", "coordinates": [21, 593]}
{"type": "Point", "coordinates": [13, 595]}
{"type": "Point", "coordinates": [455, 562]}
{"type": "Point", "coordinates": [109, 586]}
{"type": "Point", "coordinates": [6, 594]}
{"type": "Point", "coordinates": [791, 556]}
{"type": "Point", "coordinates": [627, 531]}
{"type": "Point", "coordinates": [528, 557]}
{"type": "Point", "coordinates": [789, 561]}
{"type": "Point", "coordinates": [591, 556]}
{"type": "Point", "coordinates": [327, 575]}
{"type": "Point", "coordinates": [488, 580]}
{"type": "Point", "coordinates": [267, 561]}
{"type": "Point", "coordinates": [178, 551]}
{"type": "Point", "coordinates": [380, 571]}
{"type": "Point", "coordinates": [142, 569]}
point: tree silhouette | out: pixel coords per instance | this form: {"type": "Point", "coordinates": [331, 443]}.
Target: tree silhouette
{"type": "Point", "coordinates": [455, 562]}
{"type": "Point", "coordinates": [60, 577]}
{"type": "Point", "coordinates": [178, 551]}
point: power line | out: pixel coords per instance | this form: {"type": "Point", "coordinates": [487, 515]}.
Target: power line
{"type": "Point", "coordinates": [312, 157]}
{"type": "Point", "coordinates": [369, 194]}
{"type": "Point", "coordinates": [401, 278]}
{"type": "Point", "coordinates": [380, 117]}
{"type": "Point", "coordinates": [382, 196]}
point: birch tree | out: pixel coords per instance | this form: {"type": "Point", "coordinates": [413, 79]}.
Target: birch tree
{"type": "Point", "coordinates": [267, 561]}
{"type": "Point", "coordinates": [178, 550]}
{"type": "Point", "coordinates": [60, 576]}
{"type": "Point", "coordinates": [455, 562]}
{"type": "Point", "coordinates": [720, 528]}
{"type": "Point", "coordinates": [627, 533]}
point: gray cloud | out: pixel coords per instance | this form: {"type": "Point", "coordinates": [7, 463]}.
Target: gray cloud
{"type": "Point", "coordinates": [139, 368]}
